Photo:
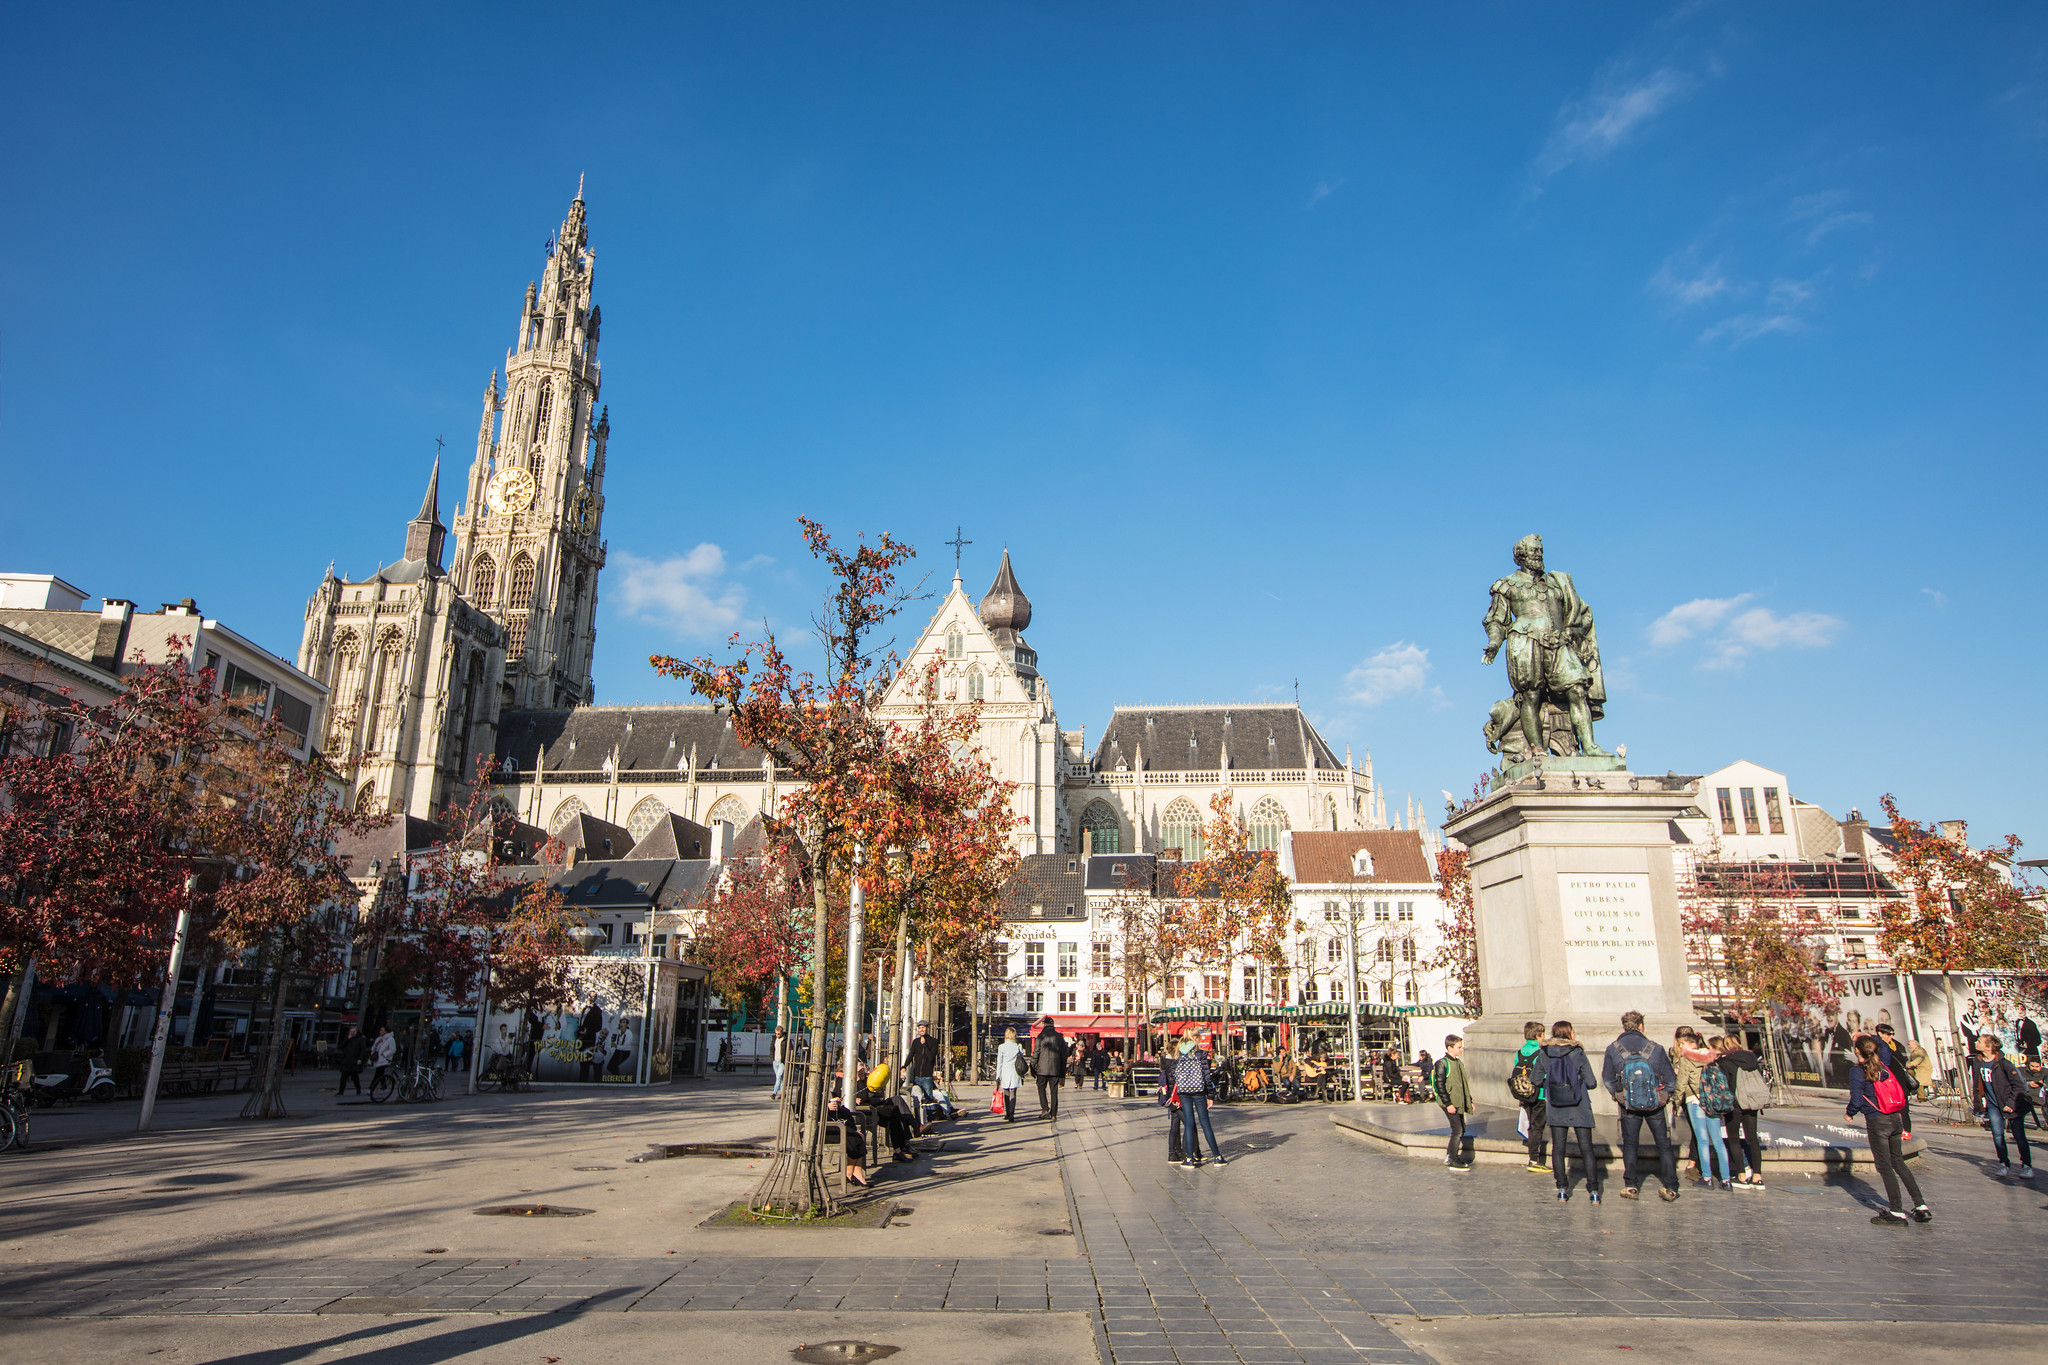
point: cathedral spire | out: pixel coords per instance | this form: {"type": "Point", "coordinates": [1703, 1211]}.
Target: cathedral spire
{"type": "Point", "coordinates": [1006, 611]}
{"type": "Point", "coordinates": [424, 533]}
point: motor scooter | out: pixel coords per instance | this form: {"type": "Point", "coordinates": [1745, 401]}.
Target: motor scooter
{"type": "Point", "coordinates": [95, 1083]}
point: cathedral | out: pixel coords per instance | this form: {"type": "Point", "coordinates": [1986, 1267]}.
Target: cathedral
{"type": "Point", "coordinates": [450, 656]}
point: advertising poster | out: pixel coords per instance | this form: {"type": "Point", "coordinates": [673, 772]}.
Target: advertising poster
{"type": "Point", "coordinates": [596, 1038]}
{"type": "Point", "coordinates": [1819, 1052]}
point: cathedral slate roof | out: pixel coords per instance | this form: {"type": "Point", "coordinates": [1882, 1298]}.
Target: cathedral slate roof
{"type": "Point", "coordinates": [624, 883]}
{"type": "Point", "coordinates": [1193, 738]}
{"type": "Point", "coordinates": [597, 838]}
{"type": "Point", "coordinates": [647, 737]}
{"type": "Point", "coordinates": [674, 837]}
{"type": "Point", "coordinates": [1115, 871]}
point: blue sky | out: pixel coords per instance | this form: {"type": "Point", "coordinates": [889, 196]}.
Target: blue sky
{"type": "Point", "coordinates": [1258, 333]}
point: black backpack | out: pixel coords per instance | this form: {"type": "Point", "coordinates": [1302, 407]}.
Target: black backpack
{"type": "Point", "coordinates": [1561, 1080]}
{"type": "Point", "coordinates": [1522, 1083]}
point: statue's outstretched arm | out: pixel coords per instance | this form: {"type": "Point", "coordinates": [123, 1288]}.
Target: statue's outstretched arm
{"type": "Point", "coordinates": [1496, 622]}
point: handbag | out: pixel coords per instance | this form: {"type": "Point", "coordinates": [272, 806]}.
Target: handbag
{"type": "Point", "coordinates": [995, 1101]}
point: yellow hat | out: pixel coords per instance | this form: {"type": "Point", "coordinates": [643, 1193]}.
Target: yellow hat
{"type": "Point", "coordinates": [879, 1077]}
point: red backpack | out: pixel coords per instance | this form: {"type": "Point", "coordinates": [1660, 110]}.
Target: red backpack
{"type": "Point", "coordinates": [1888, 1094]}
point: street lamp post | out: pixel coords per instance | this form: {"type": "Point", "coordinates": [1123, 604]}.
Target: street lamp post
{"type": "Point", "coordinates": [856, 922]}
{"type": "Point", "coordinates": [166, 1003]}
{"type": "Point", "coordinates": [1351, 917]}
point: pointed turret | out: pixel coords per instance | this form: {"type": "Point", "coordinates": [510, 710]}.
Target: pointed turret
{"type": "Point", "coordinates": [424, 533]}
{"type": "Point", "coordinates": [1006, 611]}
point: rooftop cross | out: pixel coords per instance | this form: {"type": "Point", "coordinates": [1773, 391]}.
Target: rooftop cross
{"type": "Point", "coordinates": [958, 545]}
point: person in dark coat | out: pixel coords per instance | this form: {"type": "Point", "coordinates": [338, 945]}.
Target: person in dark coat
{"type": "Point", "coordinates": [1742, 1139]}
{"type": "Point", "coordinates": [1875, 1064]}
{"type": "Point", "coordinates": [1049, 1066]}
{"type": "Point", "coordinates": [1632, 1045]}
{"type": "Point", "coordinates": [921, 1065]}
{"type": "Point", "coordinates": [349, 1058]}
{"type": "Point", "coordinates": [1568, 1085]}
{"type": "Point", "coordinates": [2000, 1094]}
{"type": "Point", "coordinates": [588, 1030]}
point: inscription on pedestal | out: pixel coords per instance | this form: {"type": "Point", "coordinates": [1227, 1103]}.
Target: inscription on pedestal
{"type": "Point", "coordinates": [1610, 932]}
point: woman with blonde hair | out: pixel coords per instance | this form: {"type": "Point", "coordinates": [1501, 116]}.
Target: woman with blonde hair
{"type": "Point", "coordinates": [1011, 1065]}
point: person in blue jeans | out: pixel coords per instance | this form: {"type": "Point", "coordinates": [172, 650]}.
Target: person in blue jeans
{"type": "Point", "coordinates": [1191, 1084]}
{"type": "Point", "coordinates": [1638, 1074]}
{"type": "Point", "coordinates": [1689, 1058]}
{"type": "Point", "coordinates": [2003, 1094]}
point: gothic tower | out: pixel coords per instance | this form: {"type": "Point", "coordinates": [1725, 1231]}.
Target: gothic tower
{"type": "Point", "coordinates": [527, 549]}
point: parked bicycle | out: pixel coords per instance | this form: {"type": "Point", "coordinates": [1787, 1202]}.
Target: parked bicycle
{"type": "Point", "coordinates": [14, 1102]}
{"type": "Point", "coordinates": [503, 1072]}
{"type": "Point", "coordinates": [423, 1082]}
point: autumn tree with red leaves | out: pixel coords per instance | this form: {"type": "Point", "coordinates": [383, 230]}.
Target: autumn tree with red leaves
{"type": "Point", "coordinates": [101, 823]}
{"type": "Point", "coordinates": [1235, 901]}
{"type": "Point", "coordinates": [750, 932]}
{"type": "Point", "coordinates": [1458, 952]}
{"type": "Point", "coordinates": [290, 898]}
{"type": "Point", "coordinates": [1962, 911]}
{"type": "Point", "coordinates": [820, 728]}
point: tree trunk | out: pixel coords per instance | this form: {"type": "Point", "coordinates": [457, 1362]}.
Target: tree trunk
{"type": "Point", "coordinates": [794, 1185]}
{"type": "Point", "coordinates": [268, 1101]}
{"type": "Point", "coordinates": [17, 994]}
{"type": "Point", "coordinates": [974, 1026]}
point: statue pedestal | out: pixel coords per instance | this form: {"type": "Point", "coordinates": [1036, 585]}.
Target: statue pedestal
{"type": "Point", "coordinates": [1576, 908]}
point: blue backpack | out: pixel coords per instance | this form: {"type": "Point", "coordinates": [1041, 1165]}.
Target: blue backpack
{"type": "Point", "coordinates": [1561, 1081]}
{"type": "Point", "coordinates": [1639, 1091]}
{"type": "Point", "coordinates": [1716, 1098]}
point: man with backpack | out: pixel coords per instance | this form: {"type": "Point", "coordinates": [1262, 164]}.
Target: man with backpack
{"type": "Point", "coordinates": [1638, 1073]}
{"type": "Point", "coordinates": [1527, 1088]}
{"type": "Point", "coordinates": [1454, 1092]}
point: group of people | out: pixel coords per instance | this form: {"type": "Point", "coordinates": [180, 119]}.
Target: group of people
{"type": "Point", "coordinates": [1714, 1086]}
{"type": "Point", "coordinates": [1045, 1061]}
{"type": "Point", "coordinates": [355, 1049]}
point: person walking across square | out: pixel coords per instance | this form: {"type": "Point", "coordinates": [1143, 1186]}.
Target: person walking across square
{"type": "Point", "coordinates": [1192, 1081]}
{"type": "Point", "coordinates": [1049, 1065]}
{"type": "Point", "coordinates": [1877, 1091]}
{"type": "Point", "coordinates": [1638, 1074]}
{"type": "Point", "coordinates": [2001, 1095]}
{"type": "Point", "coordinates": [1454, 1092]}
{"type": "Point", "coordinates": [350, 1060]}
{"type": "Point", "coordinates": [1012, 1064]}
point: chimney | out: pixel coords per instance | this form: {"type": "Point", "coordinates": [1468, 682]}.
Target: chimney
{"type": "Point", "coordinates": [721, 841]}
{"type": "Point", "coordinates": [111, 641]}
{"type": "Point", "coordinates": [1956, 831]}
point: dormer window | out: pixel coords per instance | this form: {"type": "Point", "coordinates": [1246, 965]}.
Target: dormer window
{"type": "Point", "coordinates": [1038, 912]}
{"type": "Point", "coordinates": [1361, 863]}
{"type": "Point", "coordinates": [1073, 865]}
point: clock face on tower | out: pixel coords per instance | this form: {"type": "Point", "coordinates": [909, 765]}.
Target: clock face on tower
{"type": "Point", "coordinates": [583, 512]}
{"type": "Point", "coordinates": [509, 492]}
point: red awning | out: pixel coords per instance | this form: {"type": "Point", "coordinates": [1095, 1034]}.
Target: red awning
{"type": "Point", "coordinates": [1097, 1023]}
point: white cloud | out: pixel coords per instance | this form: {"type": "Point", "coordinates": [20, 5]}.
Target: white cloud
{"type": "Point", "coordinates": [1689, 283]}
{"type": "Point", "coordinates": [1324, 189]}
{"type": "Point", "coordinates": [1692, 618]}
{"type": "Point", "coordinates": [1732, 634]}
{"type": "Point", "coordinates": [1940, 598]}
{"type": "Point", "coordinates": [1398, 670]}
{"type": "Point", "coordinates": [1823, 213]}
{"type": "Point", "coordinates": [689, 592]}
{"type": "Point", "coordinates": [1589, 128]}
{"type": "Point", "coordinates": [1783, 311]}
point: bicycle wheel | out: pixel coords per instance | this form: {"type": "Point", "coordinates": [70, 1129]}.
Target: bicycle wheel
{"type": "Point", "coordinates": [9, 1132]}
{"type": "Point", "coordinates": [434, 1084]}
{"type": "Point", "coordinates": [381, 1088]}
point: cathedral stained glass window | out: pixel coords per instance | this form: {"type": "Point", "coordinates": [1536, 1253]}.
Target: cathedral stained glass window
{"type": "Point", "coordinates": [1268, 822]}
{"type": "Point", "coordinates": [1105, 830]}
{"type": "Point", "coordinates": [1181, 828]}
